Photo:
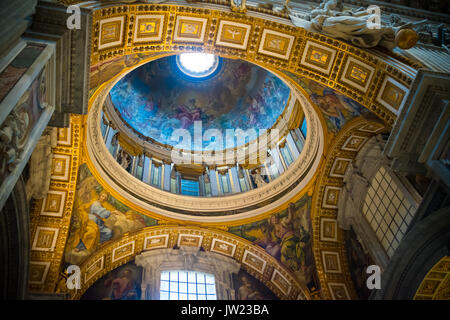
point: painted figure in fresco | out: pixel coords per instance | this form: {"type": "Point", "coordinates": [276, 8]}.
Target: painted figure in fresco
{"type": "Point", "coordinates": [292, 246]}
{"type": "Point", "coordinates": [337, 109]}
{"type": "Point", "coordinates": [269, 242]}
{"type": "Point", "coordinates": [98, 214]}
{"type": "Point", "coordinates": [86, 232]}
{"type": "Point", "coordinates": [189, 113]}
{"type": "Point", "coordinates": [247, 292]}
{"type": "Point", "coordinates": [124, 287]}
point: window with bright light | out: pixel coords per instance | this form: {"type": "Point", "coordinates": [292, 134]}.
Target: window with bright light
{"type": "Point", "coordinates": [187, 285]}
{"type": "Point", "coordinates": [388, 210]}
{"type": "Point", "coordinates": [197, 65]}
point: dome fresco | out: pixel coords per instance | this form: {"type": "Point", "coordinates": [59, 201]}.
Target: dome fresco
{"type": "Point", "coordinates": [157, 98]}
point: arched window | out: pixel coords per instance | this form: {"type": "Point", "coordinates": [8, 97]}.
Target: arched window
{"type": "Point", "coordinates": [388, 209]}
{"type": "Point", "coordinates": [187, 285]}
{"type": "Point", "coordinates": [186, 273]}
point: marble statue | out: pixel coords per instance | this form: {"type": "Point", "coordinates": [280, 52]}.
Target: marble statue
{"type": "Point", "coordinates": [124, 159]}
{"type": "Point", "coordinates": [259, 180]}
{"type": "Point", "coordinates": [355, 26]}
{"type": "Point", "coordinates": [40, 165]}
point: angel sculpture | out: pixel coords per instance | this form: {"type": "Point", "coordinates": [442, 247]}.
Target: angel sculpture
{"type": "Point", "coordinates": [357, 26]}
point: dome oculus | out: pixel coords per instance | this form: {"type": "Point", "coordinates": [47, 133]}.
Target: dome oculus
{"type": "Point", "coordinates": [197, 65]}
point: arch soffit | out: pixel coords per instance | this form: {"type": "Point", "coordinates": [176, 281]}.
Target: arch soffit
{"type": "Point", "coordinates": [252, 258]}
{"type": "Point", "coordinates": [328, 239]}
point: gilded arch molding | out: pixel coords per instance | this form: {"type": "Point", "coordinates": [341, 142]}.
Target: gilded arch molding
{"type": "Point", "coordinates": [328, 239]}
{"type": "Point", "coordinates": [252, 258]}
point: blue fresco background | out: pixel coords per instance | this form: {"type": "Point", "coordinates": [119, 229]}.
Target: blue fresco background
{"type": "Point", "coordinates": [155, 99]}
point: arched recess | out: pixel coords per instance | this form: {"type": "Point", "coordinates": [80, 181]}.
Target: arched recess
{"type": "Point", "coordinates": [328, 238]}
{"type": "Point", "coordinates": [421, 249]}
{"type": "Point", "coordinates": [252, 258]}
{"type": "Point", "coordinates": [15, 244]}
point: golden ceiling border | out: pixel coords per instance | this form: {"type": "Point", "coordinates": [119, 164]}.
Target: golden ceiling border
{"type": "Point", "coordinates": [365, 71]}
{"type": "Point", "coordinates": [106, 260]}
{"type": "Point", "coordinates": [329, 243]}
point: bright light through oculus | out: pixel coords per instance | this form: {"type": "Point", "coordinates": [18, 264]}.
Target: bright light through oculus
{"type": "Point", "coordinates": [197, 65]}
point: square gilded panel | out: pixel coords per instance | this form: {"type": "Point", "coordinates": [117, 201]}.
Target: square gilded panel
{"type": "Point", "coordinates": [276, 44]}
{"type": "Point", "coordinates": [330, 197]}
{"type": "Point", "coordinates": [338, 291]}
{"type": "Point", "coordinates": [45, 239]}
{"type": "Point", "coordinates": [331, 262]}
{"type": "Point", "coordinates": [328, 229]}
{"type": "Point", "coordinates": [223, 247]}
{"type": "Point", "coordinates": [353, 143]}
{"type": "Point", "coordinates": [318, 57]}
{"type": "Point", "coordinates": [94, 268]}
{"type": "Point", "coordinates": [443, 266]}
{"type": "Point", "coordinates": [254, 261]}
{"type": "Point", "coordinates": [189, 29]}
{"type": "Point", "coordinates": [357, 74]}
{"type": "Point", "coordinates": [232, 34]}
{"type": "Point", "coordinates": [436, 275]}
{"type": "Point", "coordinates": [65, 136]}
{"type": "Point", "coordinates": [392, 95]}
{"type": "Point", "coordinates": [61, 167]}
{"type": "Point", "coordinates": [111, 32]}
{"type": "Point", "coordinates": [429, 287]}
{"type": "Point", "coordinates": [190, 240]}
{"type": "Point", "coordinates": [372, 127]}
{"type": "Point", "coordinates": [53, 204]}
{"type": "Point", "coordinates": [156, 242]}
{"type": "Point", "coordinates": [148, 28]}
{"type": "Point", "coordinates": [123, 251]}
{"type": "Point", "coordinates": [38, 272]}
{"type": "Point", "coordinates": [281, 282]}
{"type": "Point", "coordinates": [339, 167]}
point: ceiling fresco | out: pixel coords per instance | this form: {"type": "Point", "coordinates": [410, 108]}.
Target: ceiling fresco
{"type": "Point", "coordinates": [287, 236]}
{"type": "Point", "coordinates": [156, 99]}
{"type": "Point", "coordinates": [98, 218]}
{"type": "Point", "coordinates": [122, 283]}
